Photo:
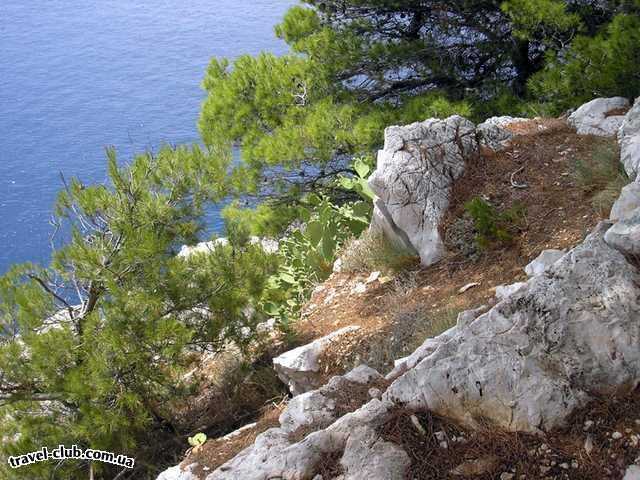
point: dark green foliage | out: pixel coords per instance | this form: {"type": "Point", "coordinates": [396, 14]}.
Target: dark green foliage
{"type": "Point", "coordinates": [601, 66]}
{"type": "Point", "coordinates": [492, 226]}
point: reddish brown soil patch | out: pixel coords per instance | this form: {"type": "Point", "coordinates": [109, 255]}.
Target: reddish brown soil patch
{"type": "Point", "coordinates": [561, 454]}
{"type": "Point", "coordinates": [617, 112]}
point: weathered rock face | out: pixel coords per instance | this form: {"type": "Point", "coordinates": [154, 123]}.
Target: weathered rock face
{"type": "Point", "coordinates": [626, 203]}
{"type": "Point", "coordinates": [624, 236]}
{"type": "Point", "coordinates": [543, 262]}
{"type": "Point", "coordinates": [494, 134]}
{"type": "Point", "coordinates": [629, 139]}
{"type": "Point", "coordinates": [535, 357]}
{"type": "Point", "coordinates": [299, 367]}
{"type": "Point", "coordinates": [413, 180]}
{"type": "Point", "coordinates": [594, 118]}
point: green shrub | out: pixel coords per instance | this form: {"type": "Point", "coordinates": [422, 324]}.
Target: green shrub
{"type": "Point", "coordinates": [492, 226]}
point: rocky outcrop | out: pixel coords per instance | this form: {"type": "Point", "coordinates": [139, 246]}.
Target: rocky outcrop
{"type": "Point", "coordinates": [525, 365]}
{"type": "Point", "coordinates": [494, 133]}
{"type": "Point", "coordinates": [413, 179]}
{"type": "Point", "coordinates": [629, 140]}
{"type": "Point", "coordinates": [278, 453]}
{"type": "Point", "coordinates": [540, 354]}
{"type": "Point", "coordinates": [505, 291]}
{"type": "Point", "coordinates": [602, 116]}
{"type": "Point", "coordinates": [299, 368]}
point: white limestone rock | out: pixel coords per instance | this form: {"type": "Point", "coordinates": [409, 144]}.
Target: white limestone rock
{"type": "Point", "coordinates": [273, 455]}
{"type": "Point", "coordinates": [629, 140]}
{"type": "Point", "coordinates": [626, 203]}
{"type": "Point", "coordinates": [494, 134]}
{"type": "Point", "coordinates": [367, 456]}
{"type": "Point", "coordinates": [178, 473]}
{"type": "Point", "coordinates": [624, 236]}
{"type": "Point", "coordinates": [308, 409]}
{"type": "Point", "coordinates": [427, 348]}
{"type": "Point", "coordinates": [543, 261]}
{"type": "Point", "coordinates": [416, 170]}
{"type": "Point", "coordinates": [268, 245]}
{"type": "Point", "coordinates": [593, 117]}
{"type": "Point", "coordinates": [537, 356]}
{"type": "Point", "coordinates": [299, 368]}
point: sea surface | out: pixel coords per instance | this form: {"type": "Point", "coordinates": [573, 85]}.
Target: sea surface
{"type": "Point", "coordinates": [78, 76]}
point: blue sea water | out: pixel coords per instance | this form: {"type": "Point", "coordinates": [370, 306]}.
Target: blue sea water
{"type": "Point", "coordinates": [79, 75]}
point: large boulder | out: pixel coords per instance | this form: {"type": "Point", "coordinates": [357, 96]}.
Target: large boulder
{"type": "Point", "coordinates": [413, 179]}
{"type": "Point", "coordinates": [629, 139]}
{"type": "Point", "coordinates": [541, 353]}
{"type": "Point", "coordinates": [299, 368]}
{"type": "Point", "coordinates": [494, 133]}
{"type": "Point", "coordinates": [600, 117]}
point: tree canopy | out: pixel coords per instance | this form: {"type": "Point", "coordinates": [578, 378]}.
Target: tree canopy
{"type": "Point", "coordinates": [357, 66]}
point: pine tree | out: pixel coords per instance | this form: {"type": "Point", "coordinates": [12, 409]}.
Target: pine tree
{"type": "Point", "coordinates": [93, 347]}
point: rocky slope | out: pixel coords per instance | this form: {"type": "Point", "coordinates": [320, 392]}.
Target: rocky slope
{"type": "Point", "coordinates": [516, 389]}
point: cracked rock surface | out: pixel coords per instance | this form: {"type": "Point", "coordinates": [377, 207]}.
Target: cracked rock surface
{"type": "Point", "coordinates": [415, 172]}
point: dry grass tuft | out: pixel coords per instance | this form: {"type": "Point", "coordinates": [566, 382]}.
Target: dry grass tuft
{"type": "Point", "coordinates": [373, 252]}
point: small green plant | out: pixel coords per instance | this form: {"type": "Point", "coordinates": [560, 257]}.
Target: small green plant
{"type": "Point", "coordinates": [197, 440]}
{"type": "Point", "coordinates": [307, 254]}
{"type": "Point", "coordinates": [601, 175]}
{"type": "Point", "coordinates": [363, 166]}
{"type": "Point", "coordinates": [492, 226]}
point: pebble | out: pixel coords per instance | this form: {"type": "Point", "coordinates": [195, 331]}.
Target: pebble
{"type": "Point", "coordinates": [587, 425]}
{"type": "Point", "coordinates": [616, 435]}
{"type": "Point", "coordinates": [588, 444]}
